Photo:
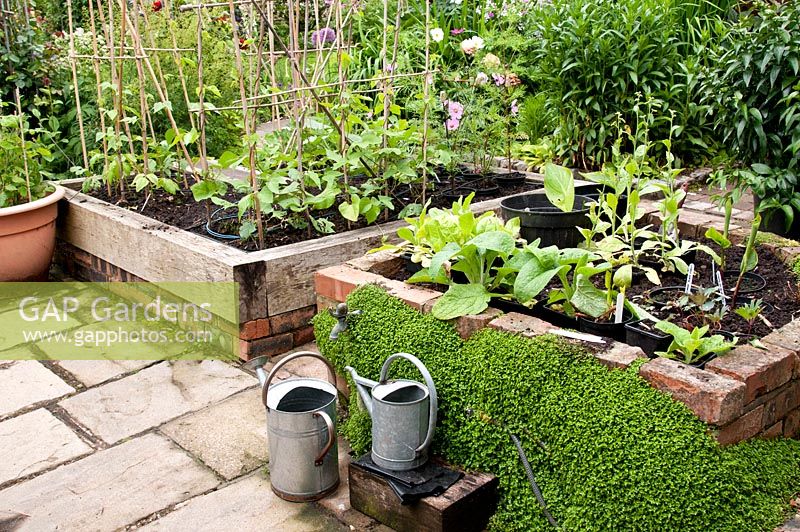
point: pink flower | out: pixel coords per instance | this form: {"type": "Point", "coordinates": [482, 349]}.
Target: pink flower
{"type": "Point", "coordinates": [499, 80]}
{"type": "Point", "coordinates": [452, 124]}
{"type": "Point", "coordinates": [456, 31]}
{"type": "Point", "coordinates": [454, 109]}
{"type": "Point", "coordinates": [514, 108]}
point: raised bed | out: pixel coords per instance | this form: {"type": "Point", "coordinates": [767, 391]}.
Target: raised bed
{"type": "Point", "coordinates": [98, 241]}
{"type": "Point", "coordinates": [745, 393]}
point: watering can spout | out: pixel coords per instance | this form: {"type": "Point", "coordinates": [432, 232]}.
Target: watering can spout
{"type": "Point", "coordinates": [257, 365]}
{"type": "Point", "coordinates": [364, 387]}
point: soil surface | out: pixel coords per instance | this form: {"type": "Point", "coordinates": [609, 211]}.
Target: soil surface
{"type": "Point", "coordinates": [180, 210]}
{"type": "Point", "coordinates": [780, 294]}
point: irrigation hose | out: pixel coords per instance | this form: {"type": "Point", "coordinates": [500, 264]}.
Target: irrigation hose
{"type": "Point", "coordinates": [525, 463]}
{"type": "Point", "coordinates": [529, 472]}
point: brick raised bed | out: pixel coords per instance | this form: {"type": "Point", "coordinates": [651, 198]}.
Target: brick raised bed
{"type": "Point", "coordinates": [101, 242]}
{"type": "Point", "coordinates": [748, 392]}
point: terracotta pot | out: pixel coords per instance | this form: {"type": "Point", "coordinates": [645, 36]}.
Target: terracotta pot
{"type": "Point", "coordinates": [28, 238]}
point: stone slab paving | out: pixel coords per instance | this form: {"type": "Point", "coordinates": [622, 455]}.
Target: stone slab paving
{"type": "Point", "coordinates": [154, 395]}
{"type": "Point", "coordinates": [109, 489]}
{"type": "Point", "coordinates": [93, 372]}
{"type": "Point", "coordinates": [188, 451]}
{"type": "Point", "coordinates": [229, 437]}
{"type": "Point", "coordinates": [26, 383]}
{"type": "Point", "coordinates": [54, 444]}
{"type": "Point", "coordinates": [245, 505]}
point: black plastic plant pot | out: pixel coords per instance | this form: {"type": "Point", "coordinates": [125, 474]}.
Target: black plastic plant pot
{"type": "Point", "coordinates": [454, 194]}
{"type": "Point", "coordinates": [468, 176]}
{"type": "Point", "coordinates": [701, 364]}
{"type": "Point", "coordinates": [410, 266]}
{"type": "Point", "coordinates": [608, 329]}
{"type": "Point", "coordinates": [554, 316]}
{"type": "Point", "coordinates": [486, 190]}
{"type": "Point", "coordinates": [541, 219]}
{"type": "Point", "coordinates": [507, 305]}
{"type": "Point", "coordinates": [663, 295]}
{"type": "Point", "coordinates": [642, 334]}
{"type": "Point", "coordinates": [751, 283]}
{"type": "Point", "coordinates": [510, 179]}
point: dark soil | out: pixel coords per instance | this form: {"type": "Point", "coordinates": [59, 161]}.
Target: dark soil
{"type": "Point", "coordinates": [180, 210]}
{"type": "Point", "coordinates": [780, 296]}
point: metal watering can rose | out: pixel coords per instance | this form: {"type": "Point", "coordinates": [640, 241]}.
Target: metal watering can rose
{"type": "Point", "coordinates": [403, 415]}
{"type": "Point", "coordinates": [301, 414]}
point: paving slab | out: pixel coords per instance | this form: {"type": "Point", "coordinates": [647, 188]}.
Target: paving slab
{"type": "Point", "coordinates": [27, 382]}
{"type": "Point", "coordinates": [248, 504]}
{"type": "Point", "coordinates": [93, 372]}
{"type": "Point", "coordinates": [229, 437]}
{"type": "Point", "coordinates": [34, 442]}
{"type": "Point", "coordinates": [153, 396]}
{"type": "Point", "coordinates": [109, 489]}
{"type": "Point", "coordinates": [303, 367]}
{"type": "Point", "coordinates": [133, 350]}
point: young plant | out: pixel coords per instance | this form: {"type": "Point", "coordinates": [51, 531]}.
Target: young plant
{"type": "Point", "coordinates": [577, 293]}
{"type": "Point", "coordinates": [476, 260]}
{"type": "Point", "coordinates": [750, 312]}
{"type": "Point", "coordinates": [692, 346]}
{"type": "Point", "coordinates": [429, 233]}
{"type": "Point", "coordinates": [750, 257]}
{"type": "Point", "coordinates": [559, 186]}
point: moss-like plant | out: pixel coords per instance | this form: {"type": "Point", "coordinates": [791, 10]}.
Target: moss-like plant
{"type": "Point", "coordinates": [619, 454]}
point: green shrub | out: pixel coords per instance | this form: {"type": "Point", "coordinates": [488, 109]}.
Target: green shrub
{"type": "Point", "coordinates": [536, 118]}
{"type": "Point", "coordinates": [597, 59]}
{"type": "Point", "coordinates": [620, 455]}
{"type": "Point", "coordinates": [758, 88]}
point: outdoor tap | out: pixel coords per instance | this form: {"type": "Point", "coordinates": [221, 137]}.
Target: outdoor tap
{"type": "Point", "coordinates": [257, 365]}
{"type": "Point", "coordinates": [341, 314]}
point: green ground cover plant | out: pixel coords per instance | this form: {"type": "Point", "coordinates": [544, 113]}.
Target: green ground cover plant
{"type": "Point", "coordinates": [619, 455]}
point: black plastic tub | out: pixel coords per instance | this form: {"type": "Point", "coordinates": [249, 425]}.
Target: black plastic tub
{"type": "Point", "coordinates": [409, 265]}
{"type": "Point", "coordinates": [510, 179]}
{"type": "Point", "coordinates": [485, 190]}
{"type": "Point", "coordinates": [541, 219]}
{"type": "Point", "coordinates": [609, 329]}
{"type": "Point", "coordinates": [457, 193]}
{"type": "Point", "coordinates": [556, 317]}
{"type": "Point", "coordinates": [649, 339]}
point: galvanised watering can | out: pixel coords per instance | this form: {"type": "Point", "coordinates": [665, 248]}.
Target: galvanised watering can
{"type": "Point", "coordinates": [301, 422]}
{"type": "Point", "coordinates": [403, 416]}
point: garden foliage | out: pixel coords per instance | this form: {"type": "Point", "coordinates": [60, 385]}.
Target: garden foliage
{"type": "Point", "coordinates": [619, 455]}
{"type": "Point", "coordinates": [597, 58]}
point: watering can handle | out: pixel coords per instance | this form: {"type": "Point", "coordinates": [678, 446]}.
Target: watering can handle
{"type": "Point", "coordinates": [331, 436]}
{"type": "Point", "coordinates": [434, 406]}
{"type": "Point", "coordinates": [294, 356]}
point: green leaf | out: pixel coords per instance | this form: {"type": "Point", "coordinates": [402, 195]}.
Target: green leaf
{"type": "Point", "coordinates": [533, 278]}
{"type": "Point", "coordinates": [350, 211]}
{"type": "Point", "coordinates": [559, 186]}
{"type": "Point", "coordinates": [718, 238]}
{"type": "Point", "coordinates": [461, 300]}
{"type": "Point", "coordinates": [499, 241]}
{"type": "Point", "coordinates": [208, 189]}
{"type": "Point", "coordinates": [588, 298]}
